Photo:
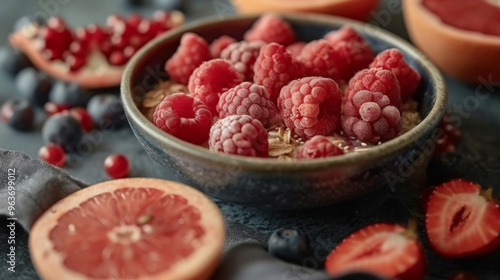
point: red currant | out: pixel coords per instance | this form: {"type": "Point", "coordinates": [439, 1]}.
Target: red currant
{"type": "Point", "coordinates": [53, 108]}
{"type": "Point", "coordinates": [117, 166]}
{"type": "Point", "coordinates": [83, 117]}
{"type": "Point", "coordinates": [52, 154]}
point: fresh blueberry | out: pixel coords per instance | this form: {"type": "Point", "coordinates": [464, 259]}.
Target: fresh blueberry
{"type": "Point", "coordinates": [12, 61]}
{"type": "Point", "coordinates": [25, 20]}
{"type": "Point", "coordinates": [18, 113]}
{"type": "Point", "coordinates": [289, 245]}
{"type": "Point", "coordinates": [107, 111]}
{"type": "Point", "coordinates": [63, 130]}
{"type": "Point", "coordinates": [34, 86]}
{"type": "Point", "coordinates": [69, 94]}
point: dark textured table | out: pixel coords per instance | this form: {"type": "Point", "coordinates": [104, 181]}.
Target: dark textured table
{"type": "Point", "coordinates": [474, 106]}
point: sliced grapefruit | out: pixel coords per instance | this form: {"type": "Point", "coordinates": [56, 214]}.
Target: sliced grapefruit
{"type": "Point", "coordinates": [129, 229]}
{"type": "Point", "coordinates": [462, 37]}
{"type": "Point", "coordinates": [92, 56]}
{"type": "Point", "coordinates": [356, 9]}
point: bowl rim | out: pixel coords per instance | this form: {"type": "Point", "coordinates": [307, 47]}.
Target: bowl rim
{"type": "Point", "coordinates": [375, 153]}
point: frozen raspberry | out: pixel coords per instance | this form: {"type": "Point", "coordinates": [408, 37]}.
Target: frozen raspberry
{"type": "Point", "coordinates": [355, 52]}
{"type": "Point", "coordinates": [318, 147]}
{"type": "Point", "coordinates": [243, 56]}
{"type": "Point", "coordinates": [192, 52]}
{"type": "Point", "coordinates": [320, 59]}
{"type": "Point", "coordinates": [184, 117]}
{"type": "Point", "coordinates": [275, 68]}
{"type": "Point", "coordinates": [408, 77]}
{"type": "Point", "coordinates": [239, 135]}
{"type": "Point", "coordinates": [370, 117]}
{"type": "Point", "coordinates": [311, 106]}
{"type": "Point", "coordinates": [218, 45]}
{"type": "Point", "coordinates": [295, 48]}
{"type": "Point", "coordinates": [248, 99]}
{"type": "Point", "coordinates": [211, 79]}
{"type": "Point", "coordinates": [271, 29]}
{"type": "Point", "coordinates": [375, 80]}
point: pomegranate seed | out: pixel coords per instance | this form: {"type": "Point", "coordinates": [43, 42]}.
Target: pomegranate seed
{"type": "Point", "coordinates": [56, 23]}
{"type": "Point", "coordinates": [78, 48]}
{"type": "Point", "coordinates": [81, 115]}
{"type": "Point", "coordinates": [117, 58]}
{"type": "Point", "coordinates": [128, 52]}
{"type": "Point", "coordinates": [116, 166]}
{"type": "Point", "coordinates": [449, 139]}
{"type": "Point", "coordinates": [114, 19]}
{"type": "Point", "coordinates": [75, 63]}
{"type": "Point", "coordinates": [134, 20]}
{"type": "Point", "coordinates": [52, 154]}
{"type": "Point", "coordinates": [53, 108]}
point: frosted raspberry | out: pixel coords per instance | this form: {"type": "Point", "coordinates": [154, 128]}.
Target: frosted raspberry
{"type": "Point", "coordinates": [248, 99]}
{"type": "Point", "coordinates": [375, 80]}
{"type": "Point", "coordinates": [271, 29]}
{"type": "Point", "coordinates": [211, 79]}
{"type": "Point", "coordinates": [354, 50]}
{"type": "Point", "coordinates": [184, 117]}
{"type": "Point", "coordinates": [369, 117]}
{"type": "Point", "coordinates": [295, 48]}
{"type": "Point", "coordinates": [239, 135]}
{"type": "Point", "coordinates": [275, 68]}
{"type": "Point", "coordinates": [243, 56]}
{"type": "Point", "coordinates": [408, 77]}
{"type": "Point", "coordinates": [219, 44]}
{"type": "Point", "coordinates": [311, 106]}
{"type": "Point", "coordinates": [192, 52]}
{"type": "Point", "coordinates": [318, 147]}
{"type": "Point", "coordinates": [320, 59]}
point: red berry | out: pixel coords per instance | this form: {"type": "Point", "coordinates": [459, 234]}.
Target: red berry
{"type": "Point", "coordinates": [295, 49]}
{"type": "Point", "coordinates": [388, 250]}
{"type": "Point", "coordinates": [184, 117]}
{"type": "Point", "coordinates": [239, 135]}
{"type": "Point", "coordinates": [450, 136]}
{"type": "Point", "coordinates": [190, 54]}
{"type": "Point", "coordinates": [318, 147]}
{"type": "Point", "coordinates": [81, 115]}
{"type": "Point", "coordinates": [52, 154]}
{"type": "Point", "coordinates": [320, 59]}
{"type": "Point", "coordinates": [54, 108]}
{"type": "Point", "coordinates": [271, 29]}
{"type": "Point", "coordinates": [354, 51]}
{"type": "Point", "coordinates": [369, 117]}
{"type": "Point", "coordinates": [375, 80]}
{"type": "Point", "coordinates": [211, 79]}
{"type": "Point", "coordinates": [275, 68]}
{"type": "Point", "coordinates": [219, 44]}
{"type": "Point", "coordinates": [248, 99]}
{"type": "Point", "coordinates": [462, 275]}
{"type": "Point", "coordinates": [243, 56]}
{"type": "Point", "coordinates": [462, 220]}
{"type": "Point", "coordinates": [116, 166]}
{"type": "Point", "coordinates": [117, 58]}
{"type": "Point", "coordinates": [408, 77]}
{"type": "Point", "coordinates": [311, 106]}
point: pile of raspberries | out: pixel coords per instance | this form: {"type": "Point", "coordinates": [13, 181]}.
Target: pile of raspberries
{"type": "Point", "coordinates": [272, 79]}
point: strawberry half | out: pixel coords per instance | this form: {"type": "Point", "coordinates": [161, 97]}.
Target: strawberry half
{"type": "Point", "coordinates": [388, 250]}
{"type": "Point", "coordinates": [462, 220]}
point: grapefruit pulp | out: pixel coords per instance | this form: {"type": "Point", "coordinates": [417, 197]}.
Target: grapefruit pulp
{"type": "Point", "coordinates": [460, 36]}
{"type": "Point", "coordinates": [132, 228]}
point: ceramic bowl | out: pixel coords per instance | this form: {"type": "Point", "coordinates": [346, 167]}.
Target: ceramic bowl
{"type": "Point", "coordinates": [269, 182]}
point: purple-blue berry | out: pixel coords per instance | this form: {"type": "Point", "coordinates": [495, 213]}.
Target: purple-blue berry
{"type": "Point", "coordinates": [18, 114]}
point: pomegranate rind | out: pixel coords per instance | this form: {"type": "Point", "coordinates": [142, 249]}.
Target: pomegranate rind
{"type": "Point", "coordinates": [197, 266]}
{"type": "Point", "coordinates": [466, 55]}
{"type": "Point", "coordinates": [355, 9]}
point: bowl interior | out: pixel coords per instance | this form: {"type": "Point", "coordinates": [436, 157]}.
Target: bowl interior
{"type": "Point", "coordinates": [146, 69]}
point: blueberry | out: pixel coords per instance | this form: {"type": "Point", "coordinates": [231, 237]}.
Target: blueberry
{"type": "Point", "coordinates": [63, 130]}
{"type": "Point", "coordinates": [69, 94]}
{"type": "Point", "coordinates": [449, 166]}
{"type": "Point", "coordinates": [25, 20]}
{"type": "Point", "coordinates": [12, 61]}
{"type": "Point", "coordinates": [289, 245]}
{"type": "Point", "coordinates": [18, 113]}
{"type": "Point", "coordinates": [34, 86]}
{"type": "Point", "coordinates": [107, 111]}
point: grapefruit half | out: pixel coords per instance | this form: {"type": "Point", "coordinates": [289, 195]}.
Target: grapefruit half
{"type": "Point", "coordinates": [462, 37]}
{"type": "Point", "coordinates": [355, 9]}
{"type": "Point", "coordinates": [132, 228]}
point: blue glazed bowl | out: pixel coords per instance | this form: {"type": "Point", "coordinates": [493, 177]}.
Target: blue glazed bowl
{"type": "Point", "coordinates": [268, 182]}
